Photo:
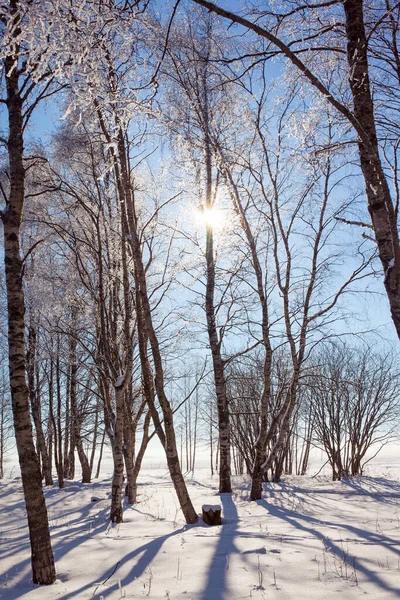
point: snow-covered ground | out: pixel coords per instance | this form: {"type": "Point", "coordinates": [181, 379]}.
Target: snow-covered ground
{"type": "Point", "coordinates": [308, 538]}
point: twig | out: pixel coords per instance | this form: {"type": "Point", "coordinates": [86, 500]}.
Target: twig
{"type": "Point", "coordinates": [320, 469]}
{"type": "Point", "coordinates": [105, 581]}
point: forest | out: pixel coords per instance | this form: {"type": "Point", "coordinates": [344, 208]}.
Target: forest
{"type": "Point", "coordinates": [199, 206]}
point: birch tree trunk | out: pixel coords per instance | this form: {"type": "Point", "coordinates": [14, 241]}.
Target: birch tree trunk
{"type": "Point", "coordinates": [225, 485]}
{"type": "Point", "coordinates": [380, 203]}
{"type": "Point", "coordinates": [61, 457]}
{"type": "Point", "coordinates": [122, 384]}
{"type": "Point", "coordinates": [75, 417]}
{"type": "Point", "coordinates": [118, 456]}
{"type": "Point", "coordinates": [2, 427]}
{"type": "Point", "coordinates": [34, 396]}
{"type": "Point", "coordinates": [69, 449]}
{"type": "Point", "coordinates": [122, 171]}
{"type": "Point", "coordinates": [43, 569]}
{"type": "Point", "coordinates": [101, 453]}
{"type": "Point", "coordinates": [144, 313]}
{"type": "Point", "coordinates": [140, 455]}
{"type": "Point", "coordinates": [57, 449]}
{"type": "Point", "coordinates": [261, 443]}
{"type": "Point", "coordinates": [129, 440]}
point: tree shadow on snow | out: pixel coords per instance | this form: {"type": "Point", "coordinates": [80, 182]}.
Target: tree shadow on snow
{"type": "Point", "coordinates": [309, 524]}
{"type": "Point", "coordinates": [379, 488]}
{"type": "Point", "coordinates": [146, 553]}
{"type": "Point", "coordinates": [216, 588]}
{"type": "Point", "coordinates": [67, 532]}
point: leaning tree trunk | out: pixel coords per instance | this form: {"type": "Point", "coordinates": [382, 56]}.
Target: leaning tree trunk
{"type": "Point", "coordinates": [125, 193]}
{"type": "Point", "coordinates": [131, 462]}
{"type": "Point", "coordinates": [43, 568]}
{"type": "Point", "coordinates": [167, 438]}
{"type": "Point", "coordinates": [140, 456]}
{"type": "Point", "coordinates": [103, 438]}
{"type": "Point", "coordinates": [380, 204]}
{"type": "Point", "coordinates": [144, 310]}
{"type": "Point", "coordinates": [94, 439]}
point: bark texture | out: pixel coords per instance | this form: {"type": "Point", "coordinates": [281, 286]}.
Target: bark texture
{"type": "Point", "coordinates": [380, 203]}
{"type": "Point", "coordinates": [118, 457]}
{"type": "Point", "coordinates": [215, 342]}
{"type": "Point", "coordinates": [34, 395]}
{"type": "Point", "coordinates": [43, 569]}
{"type": "Point", "coordinates": [75, 416]}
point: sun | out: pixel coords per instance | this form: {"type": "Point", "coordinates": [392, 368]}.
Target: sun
{"type": "Point", "coordinates": [212, 217]}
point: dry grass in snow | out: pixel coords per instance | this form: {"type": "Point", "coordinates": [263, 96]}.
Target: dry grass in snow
{"type": "Point", "coordinates": [307, 538]}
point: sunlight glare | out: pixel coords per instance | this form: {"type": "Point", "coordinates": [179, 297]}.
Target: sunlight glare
{"type": "Point", "coordinates": [212, 217]}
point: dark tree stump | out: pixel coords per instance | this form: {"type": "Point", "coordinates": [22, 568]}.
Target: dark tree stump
{"type": "Point", "coordinates": [211, 514]}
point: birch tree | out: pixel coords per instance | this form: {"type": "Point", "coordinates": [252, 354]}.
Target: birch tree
{"type": "Point", "coordinates": [22, 94]}
{"type": "Point", "coordinates": [191, 72]}
{"type": "Point", "coordinates": [287, 34]}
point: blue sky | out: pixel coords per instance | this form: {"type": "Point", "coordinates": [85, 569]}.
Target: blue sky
{"type": "Point", "coordinates": [370, 310]}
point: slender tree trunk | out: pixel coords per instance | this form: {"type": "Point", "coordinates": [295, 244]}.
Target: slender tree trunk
{"type": "Point", "coordinates": [116, 515]}
{"type": "Point", "coordinates": [61, 463]}
{"type": "Point", "coordinates": [2, 433]}
{"type": "Point", "coordinates": [196, 415]}
{"type": "Point", "coordinates": [125, 192]}
{"type": "Point", "coordinates": [70, 409]}
{"type": "Point", "coordinates": [76, 437]}
{"type": "Point", "coordinates": [49, 445]}
{"type": "Point", "coordinates": [307, 444]}
{"type": "Point", "coordinates": [167, 438]}
{"type": "Point", "coordinates": [140, 455]}
{"type": "Point", "coordinates": [122, 384]}
{"type": "Point", "coordinates": [76, 425]}
{"type": "Point", "coordinates": [211, 442]}
{"type": "Point", "coordinates": [186, 437]}
{"type": "Point", "coordinates": [262, 440]}
{"type": "Point", "coordinates": [34, 395]}
{"type": "Point", "coordinates": [43, 568]}
{"type": "Point", "coordinates": [144, 309]}
{"type": "Point", "coordinates": [94, 439]}
{"type": "Point", "coordinates": [181, 448]}
{"type": "Point", "coordinates": [190, 434]}
{"type": "Point", "coordinates": [67, 427]}
{"type": "Point", "coordinates": [57, 445]}
{"type": "Point", "coordinates": [225, 485]}
{"type": "Point", "coordinates": [129, 456]}
{"type": "Point", "coordinates": [101, 454]}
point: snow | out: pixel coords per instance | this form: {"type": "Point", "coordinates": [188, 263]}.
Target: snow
{"type": "Point", "coordinates": [120, 380]}
{"type": "Point", "coordinates": [213, 507]}
{"type": "Point", "coordinates": [307, 538]}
